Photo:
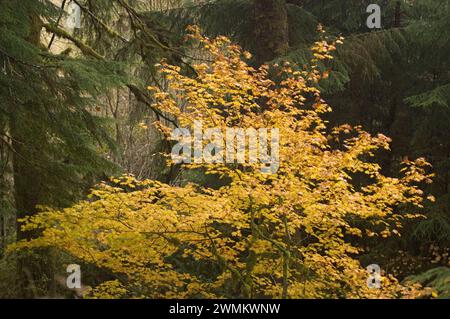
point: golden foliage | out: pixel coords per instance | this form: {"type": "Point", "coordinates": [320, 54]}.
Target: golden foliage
{"type": "Point", "coordinates": [289, 234]}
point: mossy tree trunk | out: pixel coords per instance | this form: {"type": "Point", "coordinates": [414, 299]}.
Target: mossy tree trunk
{"type": "Point", "coordinates": [35, 271]}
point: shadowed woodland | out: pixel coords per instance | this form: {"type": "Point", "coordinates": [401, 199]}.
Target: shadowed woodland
{"type": "Point", "coordinates": [85, 121]}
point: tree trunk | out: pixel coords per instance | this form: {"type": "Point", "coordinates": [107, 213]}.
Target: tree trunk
{"type": "Point", "coordinates": [271, 29]}
{"type": "Point", "coordinates": [398, 15]}
{"type": "Point", "coordinates": [34, 272]}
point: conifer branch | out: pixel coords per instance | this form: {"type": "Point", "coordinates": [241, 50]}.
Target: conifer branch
{"type": "Point", "coordinates": [86, 49]}
{"type": "Point", "coordinates": [101, 23]}
{"type": "Point", "coordinates": [63, 4]}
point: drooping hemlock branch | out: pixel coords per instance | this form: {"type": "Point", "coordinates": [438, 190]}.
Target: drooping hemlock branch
{"type": "Point", "coordinates": [88, 51]}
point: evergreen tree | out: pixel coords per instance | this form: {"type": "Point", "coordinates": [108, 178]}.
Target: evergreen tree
{"type": "Point", "coordinates": [53, 137]}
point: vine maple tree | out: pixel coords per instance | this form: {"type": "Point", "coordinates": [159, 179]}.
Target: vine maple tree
{"type": "Point", "coordinates": [283, 235]}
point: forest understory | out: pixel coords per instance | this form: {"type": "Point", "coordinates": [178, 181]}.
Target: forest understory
{"type": "Point", "coordinates": [282, 149]}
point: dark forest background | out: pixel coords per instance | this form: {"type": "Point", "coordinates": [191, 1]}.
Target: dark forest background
{"type": "Point", "coordinates": [61, 135]}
